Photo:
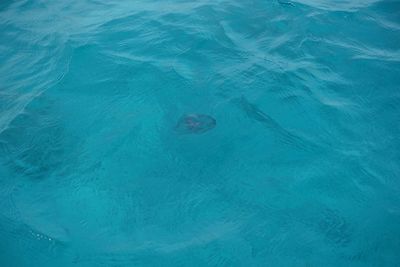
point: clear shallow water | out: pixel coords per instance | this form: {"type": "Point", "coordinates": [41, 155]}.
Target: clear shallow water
{"type": "Point", "coordinates": [302, 168]}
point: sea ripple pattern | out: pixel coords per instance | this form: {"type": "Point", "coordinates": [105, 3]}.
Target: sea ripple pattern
{"type": "Point", "coordinates": [302, 168]}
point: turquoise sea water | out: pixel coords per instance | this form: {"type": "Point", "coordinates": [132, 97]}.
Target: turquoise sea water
{"type": "Point", "coordinates": [301, 169]}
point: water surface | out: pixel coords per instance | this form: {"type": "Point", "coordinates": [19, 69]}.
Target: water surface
{"type": "Point", "coordinates": [302, 168]}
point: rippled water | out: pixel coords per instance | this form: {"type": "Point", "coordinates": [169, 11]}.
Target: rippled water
{"type": "Point", "coordinates": [301, 169]}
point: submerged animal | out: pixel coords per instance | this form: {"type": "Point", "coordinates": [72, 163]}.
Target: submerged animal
{"type": "Point", "coordinates": [195, 124]}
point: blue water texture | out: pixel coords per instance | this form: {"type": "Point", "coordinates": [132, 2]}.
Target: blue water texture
{"type": "Point", "coordinates": [289, 154]}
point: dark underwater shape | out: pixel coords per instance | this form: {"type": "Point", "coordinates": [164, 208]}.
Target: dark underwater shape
{"type": "Point", "coordinates": [195, 124]}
